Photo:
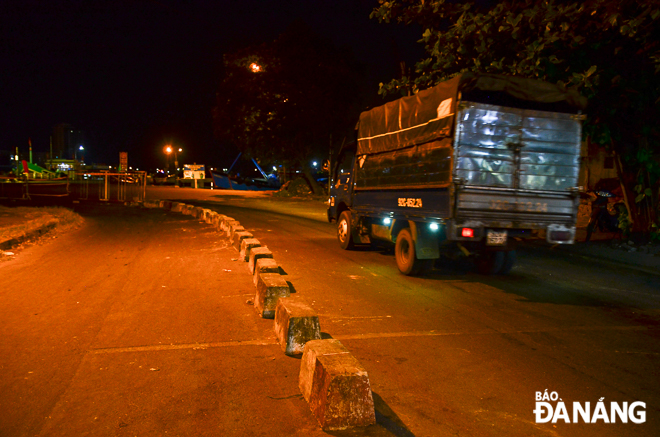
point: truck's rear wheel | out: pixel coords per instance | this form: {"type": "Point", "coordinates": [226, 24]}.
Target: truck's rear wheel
{"type": "Point", "coordinates": [344, 235]}
{"type": "Point", "coordinates": [489, 263]}
{"type": "Point", "coordinates": [404, 252]}
{"type": "Point", "coordinates": [509, 261]}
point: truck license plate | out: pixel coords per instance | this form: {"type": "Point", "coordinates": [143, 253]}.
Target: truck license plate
{"type": "Point", "coordinates": [495, 238]}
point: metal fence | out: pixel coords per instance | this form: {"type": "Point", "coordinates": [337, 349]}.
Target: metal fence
{"type": "Point", "coordinates": [109, 187]}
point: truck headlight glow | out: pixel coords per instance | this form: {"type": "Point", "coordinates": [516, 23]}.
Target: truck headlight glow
{"type": "Point", "coordinates": [387, 221]}
{"type": "Point", "coordinates": [434, 226]}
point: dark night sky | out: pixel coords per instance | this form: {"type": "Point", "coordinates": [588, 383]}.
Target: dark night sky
{"type": "Point", "coordinates": [137, 74]}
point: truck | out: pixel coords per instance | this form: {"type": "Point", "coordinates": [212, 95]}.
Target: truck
{"type": "Point", "coordinates": [468, 168]}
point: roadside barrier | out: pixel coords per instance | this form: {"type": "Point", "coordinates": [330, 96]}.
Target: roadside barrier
{"type": "Point", "coordinates": [239, 237]}
{"type": "Point", "coordinates": [264, 265]}
{"type": "Point", "coordinates": [256, 254]}
{"type": "Point", "coordinates": [296, 323]}
{"type": "Point", "coordinates": [336, 386]}
{"type": "Point", "coordinates": [331, 379]}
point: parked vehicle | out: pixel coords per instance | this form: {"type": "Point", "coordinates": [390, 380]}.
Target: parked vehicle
{"type": "Point", "coordinates": [606, 208]}
{"type": "Point", "coordinates": [468, 166]}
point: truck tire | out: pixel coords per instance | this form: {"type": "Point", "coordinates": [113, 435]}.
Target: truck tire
{"type": "Point", "coordinates": [489, 263]}
{"type": "Point", "coordinates": [509, 261]}
{"type": "Point", "coordinates": [344, 235]}
{"type": "Point", "coordinates": [404, 252]}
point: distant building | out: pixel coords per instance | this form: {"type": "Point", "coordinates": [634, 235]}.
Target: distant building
{"type": "Point", "coordinates": [67, 142]}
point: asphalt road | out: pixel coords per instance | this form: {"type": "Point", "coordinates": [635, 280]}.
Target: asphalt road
{"type": "Point", "coordinates": [457, 353]}
{"type": "Point", "coordinates": [137, 324]}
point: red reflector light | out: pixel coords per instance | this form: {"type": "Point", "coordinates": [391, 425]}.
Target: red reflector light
{"type": "Point", "coordinates": [467, 232]}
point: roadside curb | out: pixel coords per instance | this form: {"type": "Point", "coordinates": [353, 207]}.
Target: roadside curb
{"type": "Point", "coordinates": [342, 391]}
{"type": "Point", "coordinates": [30, 235]}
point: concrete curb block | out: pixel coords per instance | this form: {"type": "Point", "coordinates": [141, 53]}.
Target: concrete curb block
{"type": "Point", "coordinates": [217, 217]}
{"type": "Point", "coordinates": [247, 244]}
{"type": "Point", "coordinates": [296, 323]}
{"type": "Point", "coordinates": [236, 227]}
{"type": "Point", "coordinates": [226, 224]}
{"type": "Point", "coordinates": [270, 287]}
{"type": "Point", "coordinates": [221, 222]}
{"type": "Point", "coordinates": [177, 206]}
{"type": "Point", "coordinates": [187, 209]}
{"type": "Point", "coordinates": [166, 204]}
{"type": "Point", "coordinates": [265, 265]}
{"type": "Point", "coordinates": [336, 386]}
{"type": "Point", "coordinates": [256, 254]}
{"type": "Point", "coordinates": [151, 204]}
{"type": "Point", "coordinates": [197, 212]}
{"type": "Point", "coordinates": [238, 237]}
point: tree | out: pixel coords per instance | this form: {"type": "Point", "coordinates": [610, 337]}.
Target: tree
{"type": "Point", "coordinates": [283, 100]}
{"type": "Point", "coordinates": [607, 50]}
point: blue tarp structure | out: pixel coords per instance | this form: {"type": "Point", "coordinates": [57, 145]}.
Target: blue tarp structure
{"type": "Point", "coordinates": [224, 183]}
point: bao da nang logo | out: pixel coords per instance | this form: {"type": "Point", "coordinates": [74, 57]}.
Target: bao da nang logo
{"type": "Point", "coordinates": [551, 408]}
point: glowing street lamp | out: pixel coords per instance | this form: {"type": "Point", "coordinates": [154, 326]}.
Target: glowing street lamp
{"type": "Point", "coordinates": [81, 148]}
{"type": "Point", "coordinates": [169, 149]}
{"type": "Point", "coordinates": [255, 68]}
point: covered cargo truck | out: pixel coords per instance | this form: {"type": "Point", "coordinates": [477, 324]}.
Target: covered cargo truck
{"type": "Point", "coordinates": [469, 166]}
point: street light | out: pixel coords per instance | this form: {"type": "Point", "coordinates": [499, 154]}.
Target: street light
{"type": "Point", "coordinates": [169, 149]}
{"type": "Point", "coordinates": [81, 148]}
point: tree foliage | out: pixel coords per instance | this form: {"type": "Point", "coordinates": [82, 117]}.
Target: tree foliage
{"type": "Point", "coordinates": [304, 91]}
{"type": "Point", "coordinates": [609, 50]}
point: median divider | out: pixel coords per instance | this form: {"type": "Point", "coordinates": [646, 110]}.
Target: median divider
{"type": "Point", "coordinates": [226, 225]}
{"type": "Point", "coordinates": [233, 229]}
{"type": "Point", "coordinates": [336, 386]}
{"type": "Point", "coordinates": [331, 379]}
{"type": "Point", "coordinates": [296, 323]}
{"type": "Point", "coordinates": [239, 237]}
{"type": "Point", "coordinates": [270, 287]}
{"type": "Point", "coordinates": [247, 246]}
{"type": "Point", "coordinates": [264, 265]}
{"type": "Point", "coordinates": [198, 212]}
{"type": "Point", "coordinates": [257, 253]}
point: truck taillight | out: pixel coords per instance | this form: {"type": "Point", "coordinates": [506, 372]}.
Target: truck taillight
{"type": "Point", "coordinates": [467, 232]}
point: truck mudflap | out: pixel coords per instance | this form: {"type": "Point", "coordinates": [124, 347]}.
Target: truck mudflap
{"type": "Point", "coordinates": [484, 208]}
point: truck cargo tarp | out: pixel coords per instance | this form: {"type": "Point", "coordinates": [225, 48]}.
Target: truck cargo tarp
{"type": "Point", "coordinates": [429, 114]}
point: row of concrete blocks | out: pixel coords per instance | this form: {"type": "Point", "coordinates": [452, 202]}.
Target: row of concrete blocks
{"type": "Point", "coordinates": [331, 379]}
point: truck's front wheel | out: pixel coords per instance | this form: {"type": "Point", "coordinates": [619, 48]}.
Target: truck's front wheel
{"type": "Point", "coordinates": [344, 235]}
{"type": "Point", "coordinates": [404, 252]}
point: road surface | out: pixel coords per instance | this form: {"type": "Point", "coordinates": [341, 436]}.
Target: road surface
{"type": "Point", "coordinates": [464, 354]}
{"type": "Point", "coordinates": [138, 325]}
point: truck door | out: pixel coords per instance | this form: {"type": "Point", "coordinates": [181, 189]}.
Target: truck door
{"type": "Point", "coordinates": [517, 148]}
{"type": "Point", "coordinates": [516, 165]}
{"type": "Point", "coordinates": [342, 181]}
